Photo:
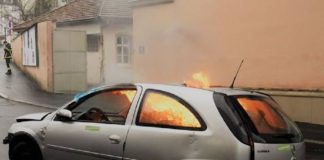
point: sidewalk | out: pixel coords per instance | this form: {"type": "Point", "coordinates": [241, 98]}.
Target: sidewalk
{"type": "Point", "coordinates": [20, 88]}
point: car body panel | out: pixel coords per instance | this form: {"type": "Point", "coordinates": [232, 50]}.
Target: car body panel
{"type": "Point", "coordinates": [91, 140]}
{"type": "Point", "coordinates": [82, 141]}
{"type": "Point", "coordinates": [32, 117]}
{"type": "Point", "coordinates": [31, 128]}
{"type": "Point", "coordinates": [163, 143]}
{"type": "Point", "coordinates": [184, 144]}
{"type": "Point", "coordinates": [291, 151]}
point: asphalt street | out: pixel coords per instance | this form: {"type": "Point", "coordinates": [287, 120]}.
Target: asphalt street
{"type": "Point", "coordinates": [9, 110]}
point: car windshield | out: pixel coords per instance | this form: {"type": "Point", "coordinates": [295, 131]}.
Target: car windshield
{"type": "Point", "coordinates": [266, 117]}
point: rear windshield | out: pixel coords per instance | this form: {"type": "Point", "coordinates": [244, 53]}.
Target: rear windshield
{"type": "Point", "coordinates": [265, 118]}
{"type": "Point", "coordinates": [268, 121]}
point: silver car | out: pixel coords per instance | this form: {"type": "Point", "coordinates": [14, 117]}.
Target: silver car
{"type": "Point", "coordinates": [159, 122]}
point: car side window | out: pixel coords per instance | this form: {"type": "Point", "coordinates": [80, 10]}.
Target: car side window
{"type": "Point", "coordinates": [109, 106]}
{"type": "Point", "coordinates": [159, 109]}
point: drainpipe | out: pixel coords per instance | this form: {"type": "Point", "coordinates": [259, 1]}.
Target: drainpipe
{"type": "Point", "coordinates": [5, 32]}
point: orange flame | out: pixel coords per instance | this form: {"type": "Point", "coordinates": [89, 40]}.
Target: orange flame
{"type": "Point", "coordinates": [262, 115]}
{"type": "Point", "coordinates": [199, 80]}
{"type": "Point", "coordinates": [130, 94]}
{"type": "Point", "coordinates": [163, 110]}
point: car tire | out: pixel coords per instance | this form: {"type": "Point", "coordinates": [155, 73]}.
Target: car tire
{"type": "Point", "coordinates": [25, 150]}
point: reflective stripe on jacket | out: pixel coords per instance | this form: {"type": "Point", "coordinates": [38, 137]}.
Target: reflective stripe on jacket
{"type": "Point", "coordinates": [8, 53]}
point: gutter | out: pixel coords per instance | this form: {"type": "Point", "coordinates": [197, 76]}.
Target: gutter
{"type": "Point", "coordinates": [140, 3]}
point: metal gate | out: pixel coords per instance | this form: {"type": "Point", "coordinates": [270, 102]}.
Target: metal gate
{"type": "Point", "coordinates": [69, 61]}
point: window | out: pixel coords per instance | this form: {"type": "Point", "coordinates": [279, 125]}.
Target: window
{"type": "Point", "coordinates": [163, 110]}
{"type": "Point", "coordinates": [93, 42]}
{"type": "Point", "coordinates": [123, 49]}
{"type": "Point", "coordinates": [265, 118]}
{"type": "Point", "coordinates": [106, 106]}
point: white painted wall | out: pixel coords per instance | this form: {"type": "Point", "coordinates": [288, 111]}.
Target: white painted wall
{"type": "Point", "coordinates": [94, 59]}
{"type": "Point", "coordinates": [61, 2]}
{"type": "Point", "coordinates": [114, 72]}
{"type": "Point", "coordinates": [69, 61]}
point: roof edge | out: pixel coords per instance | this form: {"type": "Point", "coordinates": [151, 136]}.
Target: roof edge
{"type": "Point", "coordinates": [140, 3]}
{"type": "Point", "coordinates": [77, 21]}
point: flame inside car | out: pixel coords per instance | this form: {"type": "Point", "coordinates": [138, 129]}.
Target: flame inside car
{"type": "Point", "coordinates": [163, 110]}
{"type": "Point", "coordinates": [130, 94]}
{"type": "Point", "coordinates": [263, 116]}
{"type": "Point", "coordinates": [199, 80]}
{"type": "Point", "coordinates": [125, 103]}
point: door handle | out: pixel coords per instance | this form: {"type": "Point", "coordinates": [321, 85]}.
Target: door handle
{"type": "Point", "coordinates": [115, 139]}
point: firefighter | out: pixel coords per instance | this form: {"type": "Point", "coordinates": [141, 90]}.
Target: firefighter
{"type": "Point", "coordinates": [7, 56]}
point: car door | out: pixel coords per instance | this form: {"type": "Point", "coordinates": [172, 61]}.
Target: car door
{"type": "Point", "coordinates": [166, 128]}
{"type": "Point", "coordinates": [97, 130]}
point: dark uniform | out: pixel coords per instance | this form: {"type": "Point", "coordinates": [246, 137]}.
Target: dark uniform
{"type": "Point", "coordinates": [7, 55]}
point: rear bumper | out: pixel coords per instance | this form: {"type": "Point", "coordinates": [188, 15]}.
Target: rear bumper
{"type": "Point", "coordinates": [7, 139]}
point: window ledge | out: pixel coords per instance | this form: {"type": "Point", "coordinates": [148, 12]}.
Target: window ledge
{"type": "Point", "coordinates": [124, 65]}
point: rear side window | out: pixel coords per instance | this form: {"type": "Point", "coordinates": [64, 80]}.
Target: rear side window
{"type": "Point", "coordinates": [264, 117]}
{"type": "Point", "coordinates": [161, 109]}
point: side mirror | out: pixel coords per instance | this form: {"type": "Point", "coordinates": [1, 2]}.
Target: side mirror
{"type": "Point", "coordinates": [64, 114]}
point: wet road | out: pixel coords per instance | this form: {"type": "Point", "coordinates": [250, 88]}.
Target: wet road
{"type": "Point", "coordinates": [8, 112]}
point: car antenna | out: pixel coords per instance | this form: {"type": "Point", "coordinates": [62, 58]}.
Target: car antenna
{"type": "Point", "coordinates": [232, 85]}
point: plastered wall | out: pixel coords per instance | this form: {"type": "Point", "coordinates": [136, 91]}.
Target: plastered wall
{"type": "Point", "coordinates": [43, 73]}
{"type": "Point", "coordinates": [280, 40]}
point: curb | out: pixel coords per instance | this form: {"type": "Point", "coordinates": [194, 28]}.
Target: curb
{"type": "Point", "coordinates": [4, 96]}
{"type": "Point", "coordinates": [27, 102]}
{"type": "Point", "coordinates": [314, 142]}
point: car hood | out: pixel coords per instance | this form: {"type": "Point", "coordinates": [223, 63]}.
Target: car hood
{"type": "Point", "coordinates": [32, 117]}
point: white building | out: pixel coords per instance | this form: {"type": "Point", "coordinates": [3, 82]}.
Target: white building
{"type": "Point", "coordinates": [100, 32]}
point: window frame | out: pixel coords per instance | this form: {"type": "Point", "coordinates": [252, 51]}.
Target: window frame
{"type": "Point", "coordinates": [122, 45]}
{"type": "Point", "coordinates": [203, 126]}
{"type": "Point", "coordinates": [75, 104]}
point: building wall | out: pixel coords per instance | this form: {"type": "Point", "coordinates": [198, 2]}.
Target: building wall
{"type": "Point", "coordinates": [43, 73]}
{"type": "Point", "coordinates": [94, 59]}
{"type": "Point", "coordinates": [114, 72]}
{"type": "Point", "coordinates": [280, 41]}
{"type": "Point", "coordinates": [301, 106]}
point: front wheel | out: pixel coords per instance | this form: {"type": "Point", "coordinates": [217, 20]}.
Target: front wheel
{"type": "Point", "coordinates": [24, 150]}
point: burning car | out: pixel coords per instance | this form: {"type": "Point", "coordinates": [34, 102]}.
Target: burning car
{"type": "Point", "coordinates": [160, 122]}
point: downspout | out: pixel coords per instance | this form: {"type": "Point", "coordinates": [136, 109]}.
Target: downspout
{"type": "Point", "coordinates": [102, 61]}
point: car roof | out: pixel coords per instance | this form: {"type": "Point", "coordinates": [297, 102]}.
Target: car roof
{"type": "Point", "coordinates": [223, 90]}
{"type": "Point", "coordinates": [236, 92]}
